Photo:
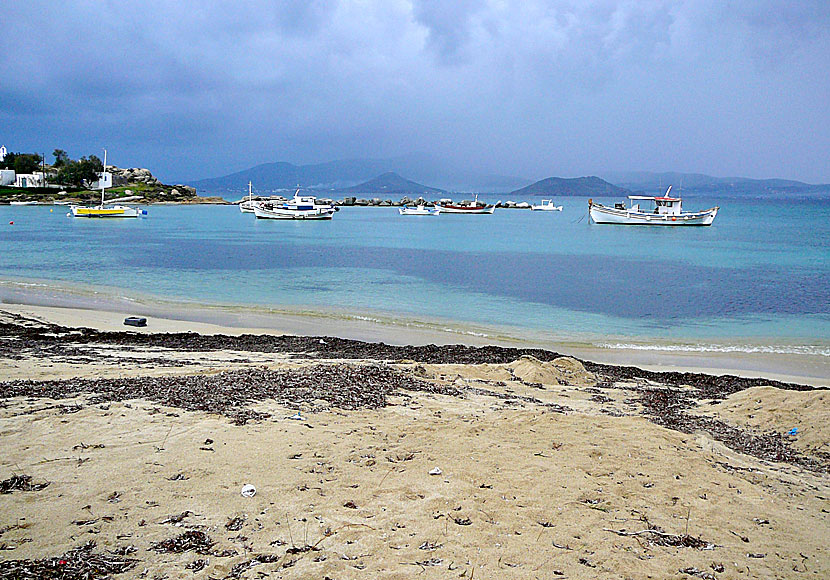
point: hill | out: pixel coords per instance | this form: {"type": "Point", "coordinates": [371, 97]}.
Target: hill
{"type": "Point", "coordinates": [392, 183]}
{"type": "Point", "coordinates": [707, 184]}
{"type": "Point", "coordinates": [579, 186]}
{"type": "Point", "coordinates": [343, 174]}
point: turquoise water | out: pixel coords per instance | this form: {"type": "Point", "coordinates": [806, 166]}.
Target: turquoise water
{"type": "Point", "coordinates": [757, 279]}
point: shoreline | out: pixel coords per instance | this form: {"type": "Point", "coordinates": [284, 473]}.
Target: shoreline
{"type": "Point", "coordinates": [390, 460]}
{"type": "Point", "coordinates": [793, 368]}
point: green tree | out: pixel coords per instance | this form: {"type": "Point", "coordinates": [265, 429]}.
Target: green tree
{"type": "Point", "coordinates": [76, 173]}
{"type": "Point", "coordinates": [61, 157]}
{"type": "Point", "coordinates": [27, 162]}
{"type": "Point", "coordinates": [8, 161]}
{"type": "Point", "coordinates": [21, 162]}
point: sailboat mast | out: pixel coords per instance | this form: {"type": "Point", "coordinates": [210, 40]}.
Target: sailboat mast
{"type": "Point", "coordinates": [103, 177]}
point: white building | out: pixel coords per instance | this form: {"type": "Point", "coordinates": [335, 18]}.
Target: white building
{"type": "Point", "coordinates": [3, 152]}
{"type": "Point", "coordinates": [7, 176]}
{"type": "Point", "coordinates": [107, 179]}
{"type": "Point", "coordinates": [30, 180]}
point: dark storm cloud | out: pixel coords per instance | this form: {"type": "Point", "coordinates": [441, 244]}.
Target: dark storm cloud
{"type": "Point", "coordinates": [535, 88]}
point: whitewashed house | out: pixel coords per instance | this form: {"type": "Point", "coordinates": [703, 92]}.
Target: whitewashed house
{"type": "Point", "coordinates": [7, 176]}
{"type": "Point", "coordinates": [30, 180]}
{"type": "Point", "coordinates": [105, 177]}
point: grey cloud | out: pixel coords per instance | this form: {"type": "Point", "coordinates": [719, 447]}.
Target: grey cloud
{"type": "Point", "coordinates": [522, 87]}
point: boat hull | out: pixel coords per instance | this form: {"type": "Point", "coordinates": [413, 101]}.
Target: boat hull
{"type": "Point", "coordinates": [462, 209]}
{"type": "Point", "coordinates": [608, 215]}
{"type": "Point", "coordinates": [116, 211]}
{"type": "Point", "coordinates": [417, 211]}
{"type": "Point", "coordinates": [293, 214]}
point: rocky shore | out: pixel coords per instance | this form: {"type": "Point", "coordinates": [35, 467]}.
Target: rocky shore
{"type": "Point", "coordinates": [125, 452]}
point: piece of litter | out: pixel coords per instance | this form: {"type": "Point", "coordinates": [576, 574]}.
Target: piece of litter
{"type": "Point", "coordinates": [248, 490]}
{"type": "Point", "coordinates": [297, 417]}
{"type": "Point", "coordinates": [793, 431]}
{"type": "Point", "coordinates": [435, 471]}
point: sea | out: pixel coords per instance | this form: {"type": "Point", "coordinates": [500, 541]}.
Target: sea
{"type": "Point", "coordinates": [756, 281]}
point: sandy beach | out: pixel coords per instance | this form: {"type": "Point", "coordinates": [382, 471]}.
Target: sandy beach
{"type": "Point", "coordinates": [398, 460]}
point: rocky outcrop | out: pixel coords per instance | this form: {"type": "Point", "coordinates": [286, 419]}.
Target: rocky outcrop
{"type": "Point", "coordinates": [134, 175]}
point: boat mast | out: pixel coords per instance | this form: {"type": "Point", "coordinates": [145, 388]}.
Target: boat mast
{"type": "Point", "coordinates": [103, 177]}
{"type": "Point", "coordinates": [250, 195]}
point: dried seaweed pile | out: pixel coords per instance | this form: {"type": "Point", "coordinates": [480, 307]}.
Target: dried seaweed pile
{"type": "Point", "coordinates": [346, 386]}
{"type": "Point", "coordinates": [20, 483]}
{"type": "Point", "coordinates": [666, 407]}
{"type": "Point", "coordinates": [26, 333]}
{"type": "Point", "coordinates": [707, 386]}
{"type": "Point", "coordinates": [78, 564]}
{"type": "Point", "coordinates": [192, 540]}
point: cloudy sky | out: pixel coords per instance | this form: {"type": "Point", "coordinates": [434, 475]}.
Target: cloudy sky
{"type": "Point", "coordinates": [533, 88]}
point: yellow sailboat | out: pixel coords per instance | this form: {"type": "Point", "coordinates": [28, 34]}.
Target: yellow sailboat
{"type": "Point", "coordinates": [104, 210]}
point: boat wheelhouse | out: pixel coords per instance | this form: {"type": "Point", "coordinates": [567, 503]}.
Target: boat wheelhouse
{"type": "Point", "coordinates": [546, 205]}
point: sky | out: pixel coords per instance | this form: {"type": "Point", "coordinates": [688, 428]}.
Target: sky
{"type": "Point", "coordinates": [528, 88]}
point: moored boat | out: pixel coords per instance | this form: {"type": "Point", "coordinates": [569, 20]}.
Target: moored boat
{"type": "Point", "coordinates": [475, 206]}
{"type": "Point", "coordinates": [667, 212]}
{"type": "Point", "coordinates": [417, 210]}
{"type": "Point", "coordinates": [302, 207]}
{"type": "Point", "coordinates": [546, 205]}
{"type": "Point", "coordinates": [247, 205]}
{"type": "Point", "coordinates": [106, 209]}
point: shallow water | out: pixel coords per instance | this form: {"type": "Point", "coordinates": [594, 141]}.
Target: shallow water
{"type": "Point", "coordinates": [755, 281]}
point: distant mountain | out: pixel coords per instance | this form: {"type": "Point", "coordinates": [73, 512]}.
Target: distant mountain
{"type": "Point", "coordinates": [338, 175]}
{"type": "Point", "coordinates": [579, 186]}
{"type": "Point", "coordinates": [391, 183]}
{"type": "Point", "coordinates": [706, 184]}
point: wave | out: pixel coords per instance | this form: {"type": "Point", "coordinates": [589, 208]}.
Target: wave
{"type": "Point", "coordinates": [814, 350]}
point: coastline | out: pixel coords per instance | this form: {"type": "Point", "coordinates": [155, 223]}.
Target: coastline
{"type": "Point", "coordinates": [108, 315]}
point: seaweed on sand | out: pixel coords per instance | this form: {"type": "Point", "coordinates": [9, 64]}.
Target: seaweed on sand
{"type": "Point", "coordinates": [20, 483]}
{"type": "Point", "coordinates": [81, 563]}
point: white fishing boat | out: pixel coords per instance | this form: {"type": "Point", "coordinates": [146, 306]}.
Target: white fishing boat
{"type": "Point", "coordinates": [418, 210]}
{"type": "Point", "coordinates": [247, 205]}
{"type": "Point", "coordinates": [546, 205]}
{"type": "Point", "coordinates": [107, 209]}
{"type": "Point", "coordinates": [475, 206]}
{"type": "Point", "coordinates": [667, 212]}
{"type": "Point", "coordinates": [302, 207]}
{"type": "Point", "coordinates": [24, 203]}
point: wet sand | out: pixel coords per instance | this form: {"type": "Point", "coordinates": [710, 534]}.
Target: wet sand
{"type": "Point", "coordinates": [806, 369]}
{"type": "Point", "coordinates": [550, 467]}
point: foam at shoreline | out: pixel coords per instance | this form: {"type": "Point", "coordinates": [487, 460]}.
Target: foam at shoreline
{"type": "Point", "coordinates": [105, 309]}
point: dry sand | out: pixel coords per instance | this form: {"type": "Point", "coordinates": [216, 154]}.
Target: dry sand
{"type": "Point", "coordinates": [545, 467]}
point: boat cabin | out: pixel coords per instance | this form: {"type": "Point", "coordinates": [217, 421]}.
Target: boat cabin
{"type": "Point", "coordinates": [662, 205]}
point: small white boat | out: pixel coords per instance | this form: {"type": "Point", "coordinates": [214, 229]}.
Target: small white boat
{"type": "Point", "coordinates": [106, 209]}
{"type": "Point", "coordinates": [247, 206]}
{"type": "Point", "coordinates": [302, 207]}
{"type": "Point", "coordinates": [418, 210]}
{"type": "Point", "coordinates": [447, 206]}
{"type": "Point", "coordinates": [24, 203]}
{"type": "Point", "coordinates": [667, 212]}
{"type": "Point", "coordinates": [546, 205]}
